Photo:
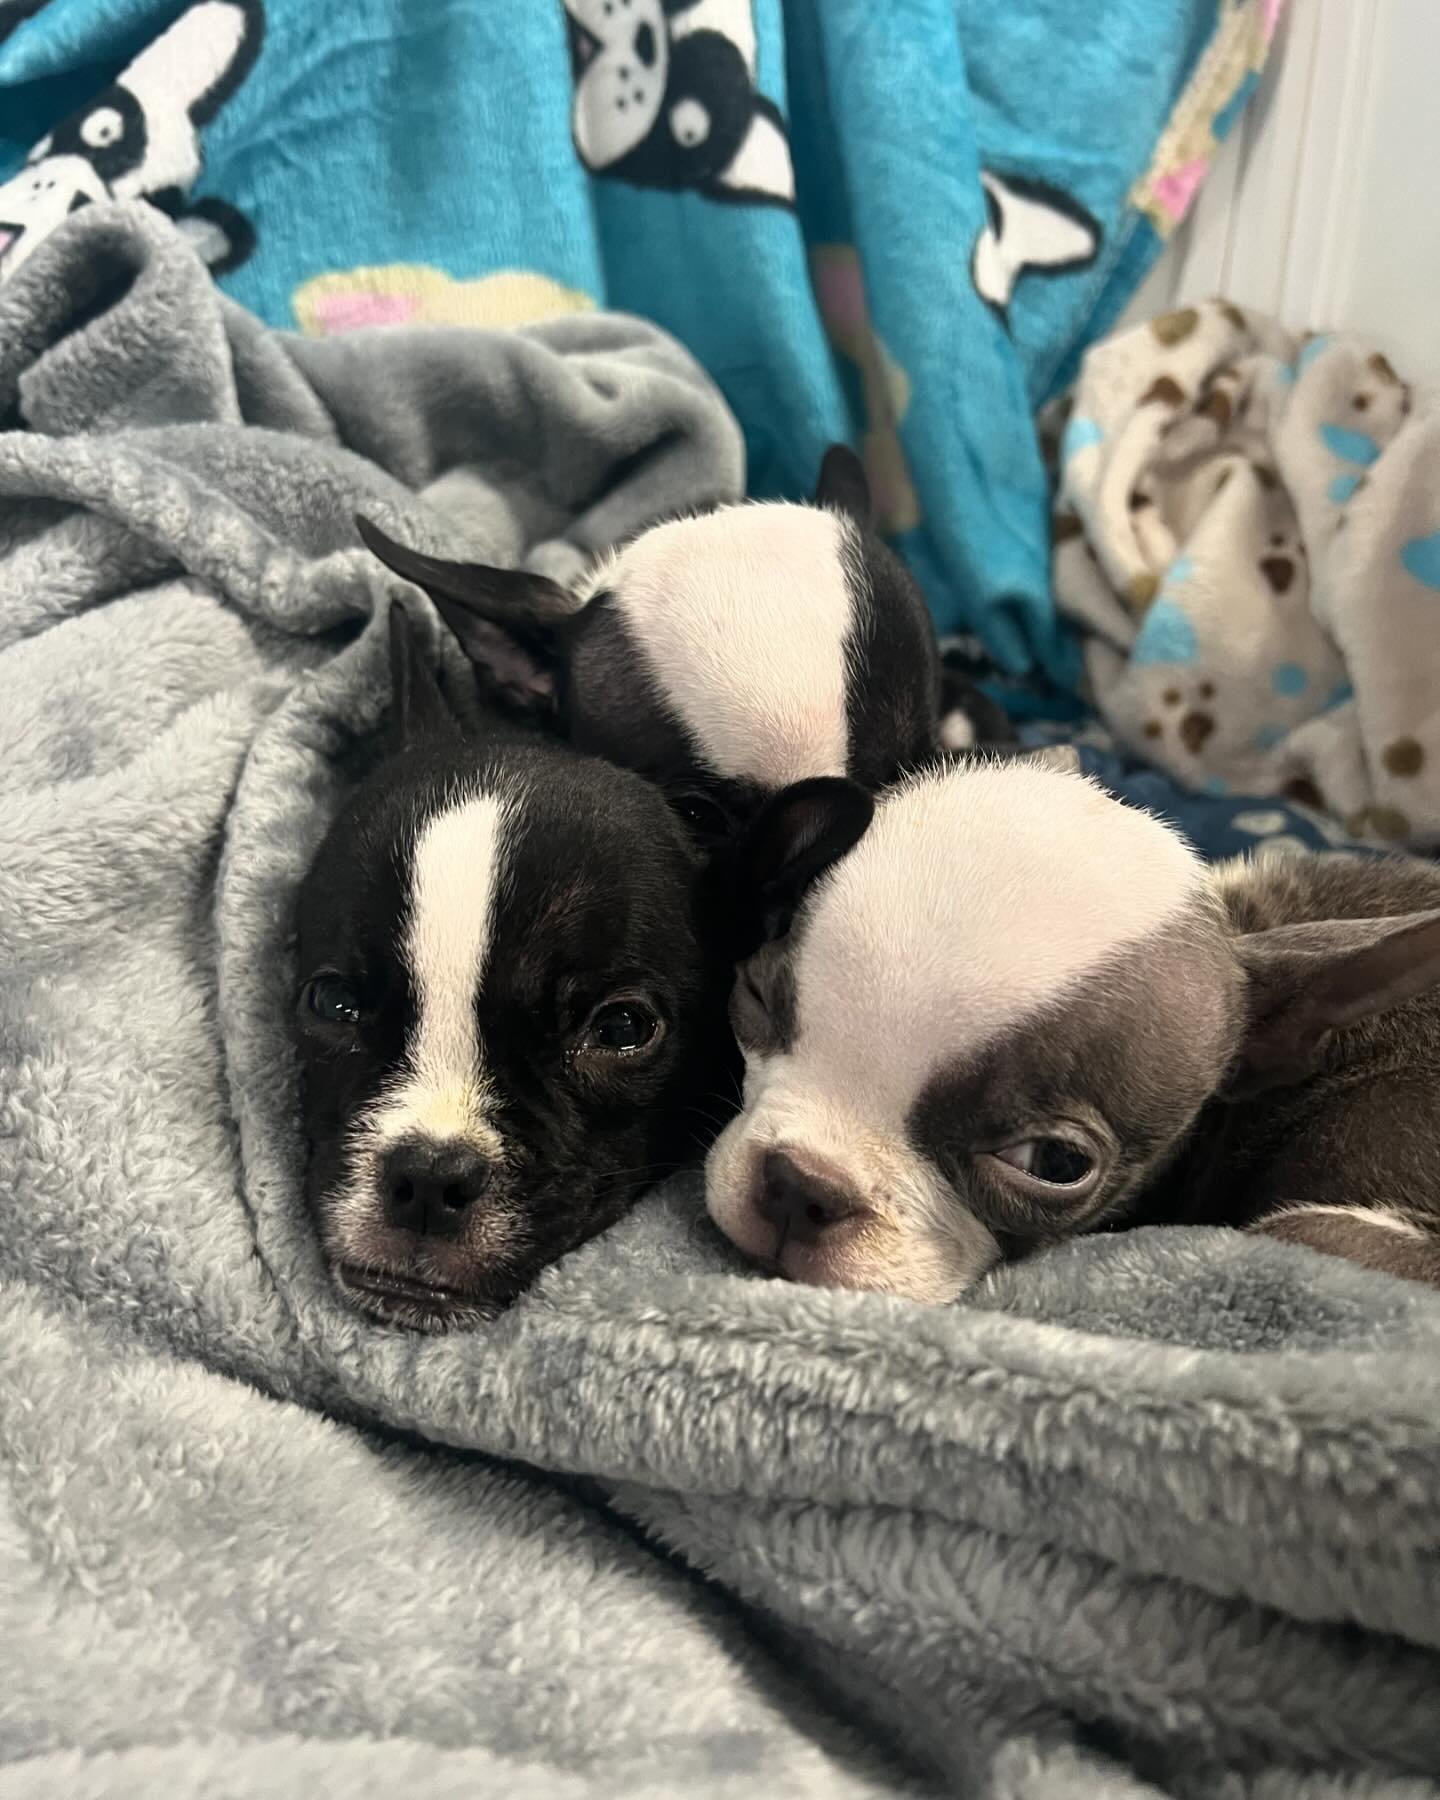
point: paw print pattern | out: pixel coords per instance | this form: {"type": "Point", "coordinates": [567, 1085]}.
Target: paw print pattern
{"type": "Point", "coordinates": [1383, 395]}
{"type": "Point", "coordinates": [1224, 398]}
{"type": "Point", "coordinates": [1164, 390]}
{"type": "Point", "coordinates": [1284, 561]}
{"type": "Point", "coordinates": [1404, 757]}
{"type": "Point", "coordinates": [1377, 407]}
{"type": "Point", "coordinates": [1190, 716]}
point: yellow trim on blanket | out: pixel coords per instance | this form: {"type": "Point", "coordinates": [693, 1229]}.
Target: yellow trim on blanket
{"type": "Point", "coordinates": [1187, 146]}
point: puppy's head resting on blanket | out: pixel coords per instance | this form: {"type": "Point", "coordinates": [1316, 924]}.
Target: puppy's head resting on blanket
{"type": "Point", "coordinates": [993, 1022]}
{"type": "Point", "coordinates": [723, 656]}
{"type": "Point", "coordinates": [507, 1008]}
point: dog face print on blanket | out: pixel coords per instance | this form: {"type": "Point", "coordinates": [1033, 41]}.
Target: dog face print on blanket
{"type": "Point", "coordinates": [665, 97]}
{"type": "Point", "coordinates": [140, 139]}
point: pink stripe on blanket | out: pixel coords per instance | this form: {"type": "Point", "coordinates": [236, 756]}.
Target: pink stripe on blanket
{"type": "Point", "coordinates": [352, 312]}
{"type": "Point", "coordinates": [1178, 188]}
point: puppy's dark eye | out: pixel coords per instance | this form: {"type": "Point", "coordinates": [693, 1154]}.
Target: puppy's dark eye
{"type": "Point", "coordinates": [705, 816]}
{"type": "Point", "coordinates": [1055, 1161]}
{"type": "Point", "coordinates": [333, 1000]}
{"type": "Point", "coordinates": [622, 1026]}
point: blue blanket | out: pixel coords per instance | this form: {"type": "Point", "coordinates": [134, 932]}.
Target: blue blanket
{"type": "Point", "coordinates": [894, 225]}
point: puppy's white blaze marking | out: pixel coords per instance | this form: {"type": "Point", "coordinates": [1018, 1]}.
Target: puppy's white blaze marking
{"type": "Point", "coordinates": [743, 616]}
{"type": "Point", "coordinates": [455, 881]}
{"type": "Point", "coordinates": [976, 894]}
{"type": "Point", "coordinates": [1369, 1215]}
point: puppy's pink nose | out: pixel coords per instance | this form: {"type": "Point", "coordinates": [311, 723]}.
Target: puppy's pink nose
{"type": "Point", "coordinates": [803, 1196]}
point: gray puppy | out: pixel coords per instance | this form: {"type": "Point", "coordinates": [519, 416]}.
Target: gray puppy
{"type": "Point", "coordinates": [1018, 1010]}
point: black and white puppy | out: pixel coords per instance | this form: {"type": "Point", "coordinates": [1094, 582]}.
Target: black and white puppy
{"type": "Point", "coordinates": [1018, 1010]}
{"type": "Point", "coordinates": [509, 1006]}
{"type": "Point", "coordinates": [724, 656]}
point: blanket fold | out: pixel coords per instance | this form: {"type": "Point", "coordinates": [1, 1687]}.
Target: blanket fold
{"type": "Point", "coordinates": [1154, 1512]}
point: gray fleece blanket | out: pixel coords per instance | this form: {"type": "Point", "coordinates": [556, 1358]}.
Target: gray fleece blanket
{"type": "Point", "coordinates": [1157, 1512]}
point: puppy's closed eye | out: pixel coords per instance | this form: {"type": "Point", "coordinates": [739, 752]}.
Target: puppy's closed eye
{"type": "Point", "coordinates": [749, 1012]}
{"type": "Point", "coordinates": [762, 1000]}
{"type": "Point", "coordinates": [706, 818]}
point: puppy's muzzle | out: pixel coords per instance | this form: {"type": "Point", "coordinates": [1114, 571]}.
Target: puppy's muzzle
{"type": "Point", "coordinates": [805, 1198]}
{"type": "Point", "coordinates": [429, 1188]}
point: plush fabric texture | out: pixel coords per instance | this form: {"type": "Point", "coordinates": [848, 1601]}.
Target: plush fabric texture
{"type": "Point", "coordinates": [1157, 1511]}
{"type": "Point", "coordinates": [891, 225]}
{"type": "Point", "coordinates": [1249, 532]}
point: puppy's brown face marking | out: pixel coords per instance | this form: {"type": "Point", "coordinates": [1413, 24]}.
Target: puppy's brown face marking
{"type": "Point", "coordinates": [1098, 1081]}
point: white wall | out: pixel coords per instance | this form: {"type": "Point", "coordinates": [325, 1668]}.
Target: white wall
{"type": "Point", "coordinates": [1324, 204]}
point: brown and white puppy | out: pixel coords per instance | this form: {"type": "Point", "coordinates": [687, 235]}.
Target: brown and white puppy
{"type": "Point", "coordinates": [1017, 1010]}
{"type": "Point", "coordinates": [510, 1017]}
{"type": "Point", "coordinates": [724, 655]}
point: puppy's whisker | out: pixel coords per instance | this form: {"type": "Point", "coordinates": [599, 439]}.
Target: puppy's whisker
{"type": "Point", "coordinates": [645, 1172]}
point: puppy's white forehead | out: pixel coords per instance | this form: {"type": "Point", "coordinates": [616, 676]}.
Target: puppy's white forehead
{"type": "Point", "coordinates": [975, 896]}
{"type": "Point", "coordinates": [744, 615]}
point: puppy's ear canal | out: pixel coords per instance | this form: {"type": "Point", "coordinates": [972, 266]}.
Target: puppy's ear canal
{"type": "Point", "coordinates": [1305, 982]}
{"type": "Point", "coordinates": [796, 836]}
{"type": "Point", "coordinates": [507, 621]}
{"type": "Point", "coordinates": [842, 485]}
{"type": "Point", "coordinates": [419, 710]}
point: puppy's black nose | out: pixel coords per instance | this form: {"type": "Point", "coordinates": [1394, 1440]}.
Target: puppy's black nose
{"type": "Point", "coordinates": [802, 1197]}
{"type": "Point", "coordinates": [429, 1188]}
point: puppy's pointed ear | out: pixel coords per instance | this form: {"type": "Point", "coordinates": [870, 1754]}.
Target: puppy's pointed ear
{"type": "Point", "coordinates": [842, 485]}
{"type": "Point", "coordinates": [796, 836]}
{"type": "Point", "coordinates": [1305, 982]}
{"type": "Point", "coordinates": [508, 621]}
{"type": "Point", "coordinates": [419, 712]}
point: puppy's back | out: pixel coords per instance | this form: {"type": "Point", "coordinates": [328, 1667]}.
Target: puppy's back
{"type": "Point", "coordinates": [1262, 892]}
{"type": "Point", "coordinates": [1364, 1131]}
